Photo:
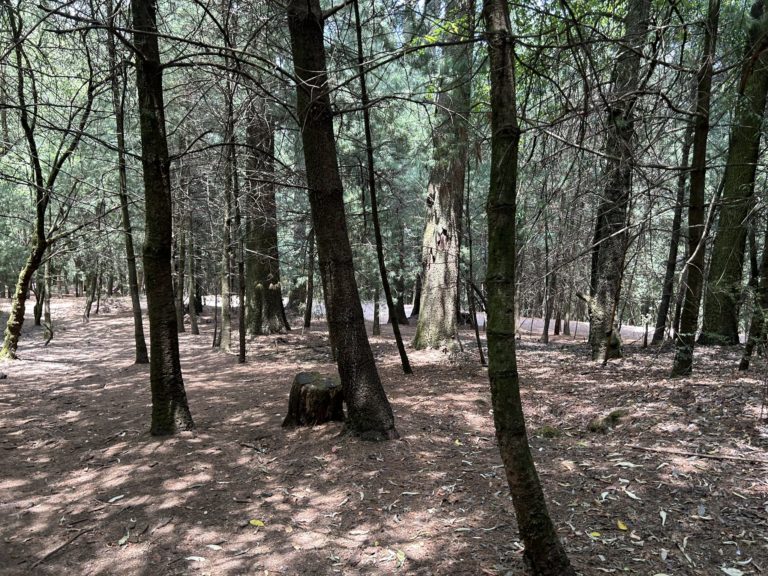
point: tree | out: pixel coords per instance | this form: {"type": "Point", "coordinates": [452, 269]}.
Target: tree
{"type": "Point", "coordinates": [170, 412]}
{"type": "Point", "coordinates": [441, 243]}
{"type": "Point", "coordinates": [42, 187]}
{"type": "Point", "coordinates": [118, 76]}
{"type": "Point", "coordinates": [724, 281]}
{"type": "Point", "coordinates": [611, 238]}
{"type": "Point", "coordinates": [694, 268]}
{"type": "Point", "coordinates": [543, 551]}
{"type": "Point", "coordinates": [369, 414]}
{"type": "Point", "coordinates": [266, 314]}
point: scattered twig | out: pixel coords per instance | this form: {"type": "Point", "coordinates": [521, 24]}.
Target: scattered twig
{"type": "Point", "coordinates": [697, 454]}
{"type": "Point", "coordinates": [62, 546]}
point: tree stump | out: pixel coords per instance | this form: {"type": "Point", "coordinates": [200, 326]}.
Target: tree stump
{"type": "Point", "coordinates": [314, 399]}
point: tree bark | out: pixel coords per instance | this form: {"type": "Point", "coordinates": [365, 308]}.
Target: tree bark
{"type": "Point", "coordinates": [445, 197]}
{"type": "Point", "coordinates": [369, 413]}
{"type": "Point", "coordinates": [724, 282]}
{"type": "Point", "coordinates": [266, 314]}
{"type": "Point", "coordinates": [689, 315]}
{"type": "Point", "coordinates": [310, 279]}
{"type": "Point", "coordinates": [170, 411]}
{"type": "Point", "coordinates": [611, 239]}
{"type": "Point", "coordinates": [543, 550]}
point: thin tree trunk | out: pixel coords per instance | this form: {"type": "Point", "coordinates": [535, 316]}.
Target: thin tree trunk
{"type": "Point", "coordinates": [406, 365]}
{"type": "Point", "coordinates": [47, 319]}
{"type": "Point", "coordinates": [369, 414]}
{"type": "Point", "coordinates": [543, 550]}
{"type": "Point", "coordinates": [118, 107]}
{"type": "Point", "coordinates": [669, 274]}
{"type": "Point", "coordinates": [192, 285]}
{"type": "Point", "coordinates": [181, 244]}
{"type": "Point", "coordinates": [689, 317]}
{"type": "Point", "coordinates": [310, 279]}
{"type": "Point", "coordinates": [170, 411]}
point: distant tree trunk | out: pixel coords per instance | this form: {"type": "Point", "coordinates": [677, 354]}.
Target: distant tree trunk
{"type": "Point", "coordinates": [689, 316]}
{"type": "Point", "coordinates": [118, 107]}
{"type": "Point", "coordinates": [47, 319]}
{"type": "Point", "coordinates": [192, 285]}
{"type": "Point", "coordinates": [543, 551]}
{"type": "Point", "coordinates": [369, 413]}
{"type": "Point", "coordinates": [90, 293]}
{"type": "Point", "coordinates": [224, 341]}
{"type": "Point", "coordinates": [310, 279]}
{"type": "Point", "coordinates": [757, 328]}
{"type": "Point", "coordinates": [266, 314]}
{"type": "Point", "coordinates": [170, 411]}
{"type": "Point", "coordinates": [181, 244]}
{"type": "Point", "coordinates": [416, 309]}
{"type": "Point", "coordinates": [669, 275]}
{"type": "Point", "coordinates": [376, 328]}
{"type": "Point", "coordinates": [445, 196]}
{"type": "Point", "coordinates": [38, 289]}
{"type": "Point", "coordinates": [724, 282]}
{"type": "Point", "coordinates": [611, 239]}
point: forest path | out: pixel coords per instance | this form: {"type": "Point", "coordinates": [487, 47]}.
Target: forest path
{"type": "Point", "coordinates": [84, 489]}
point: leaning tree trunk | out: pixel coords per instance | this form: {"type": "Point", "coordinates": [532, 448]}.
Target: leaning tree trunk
{"type": "Point", "coordinates": [694, 268]}
{"type": "Point", "coordinates": [170, 411]}
{"type": "Point", "coordinates": [369, 413]}
{"type": "Point", "coordinates": [445, 197]}
{"type": "Point", "coordinates": [118, 99]}
{"type": "Point", "coordinates": [543, 550]}
{"type": "Point", "coordinates": [266, 314]}
{"type": "Point", "coordinates": [19, 300]}
{"type": "Point", "coordinates": [611, 239]}
{"type": "Point", "coordinates": [724, 282]}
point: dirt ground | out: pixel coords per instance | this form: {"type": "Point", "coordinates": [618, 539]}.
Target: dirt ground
{"type": "Point", "coordinates": [675, 483]}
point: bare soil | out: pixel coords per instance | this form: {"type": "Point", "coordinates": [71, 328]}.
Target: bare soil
{"type": "Point", "coordinates": [674, 483]}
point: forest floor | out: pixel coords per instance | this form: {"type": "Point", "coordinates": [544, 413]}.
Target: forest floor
{"type": "Point", "coordinates": [675, 483]}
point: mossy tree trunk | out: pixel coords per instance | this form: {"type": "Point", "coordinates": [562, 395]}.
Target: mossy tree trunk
{"type": "Point", "coordinates": [724, 281]}
{"type": "Point", "coordinates": [445, 194]}
{"type": "Point", "coordinates": [266, 314]}
{"type": "Point", "coordinates": [544, 552]}
{"type": "Point", "coordinates": [694, 269]}
{"type": "Point", "coordinates": [611, 239]}
{"type": "Point", "coordinates": [170, 411]}
{"type": "Point", "coordinates": [369, 413]}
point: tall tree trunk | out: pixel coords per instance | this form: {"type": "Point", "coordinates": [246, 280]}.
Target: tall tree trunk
{"type": "Point", "coordinates": [266, 314]}
{"type": "Point", "coordinates": [669, 274]}
{"type": "Point", "coordinates": [118, 107]}
{"type": "Point", "coordinates": [724, 282]}
{"type": "Point", "coordinates": [406, 365]}
{"type": "Point", "coordinates": [445, 194]}
{"type": "Point", "coordinates": [170, 411]}
{"type": "Point", "coordinates": [369, 414]}
{"type": "Point", "coordinates": [543, 550]}
{"type": "Point", "coordinates": [416, 309]}
{"type": "Point", "coordinates": [689, 316]}
{"type": "Point", "coordinates": [611, 239]}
